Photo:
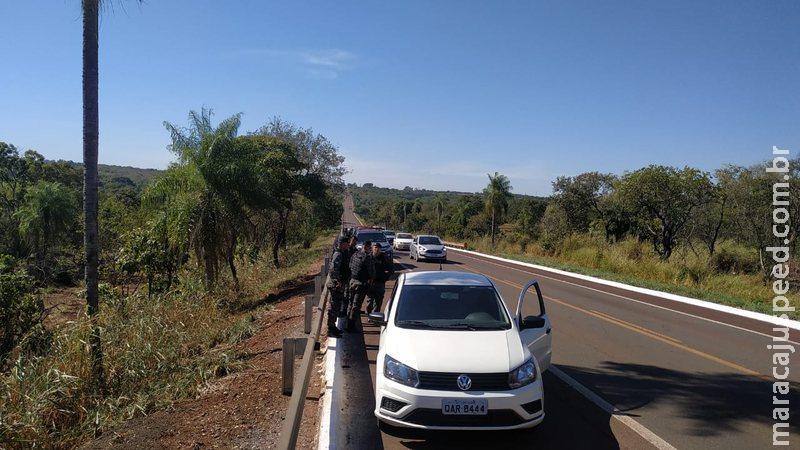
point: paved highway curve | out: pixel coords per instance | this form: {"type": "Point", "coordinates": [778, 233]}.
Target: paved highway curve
{"type": "Point", "coordinates": [678, 375]}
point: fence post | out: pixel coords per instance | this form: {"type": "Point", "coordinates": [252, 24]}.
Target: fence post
{"type": "Point", "coordinates": [309, 313]}
{"type": "Point", "coordinates": [287, 371]}
{"type": "Point", "coordinates": [317, 286]}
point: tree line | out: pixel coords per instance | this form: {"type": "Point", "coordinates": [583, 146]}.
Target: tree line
{"type": "Point", "coordinates": [226, 200]}
{"type": "Point", "coordinates": [668, 208]}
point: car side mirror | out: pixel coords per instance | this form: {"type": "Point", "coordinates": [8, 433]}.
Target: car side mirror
{"type": "Point", "coordinates": [532, 322]}
{"type": "Point", "coordinates": [377, 318]}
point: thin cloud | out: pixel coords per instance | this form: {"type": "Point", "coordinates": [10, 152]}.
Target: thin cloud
{"type": "Point", "coordinates": [325, 64]}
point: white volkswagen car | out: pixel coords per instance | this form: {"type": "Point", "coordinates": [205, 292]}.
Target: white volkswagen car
{"type": "Point", "coordinates": [452, 357]}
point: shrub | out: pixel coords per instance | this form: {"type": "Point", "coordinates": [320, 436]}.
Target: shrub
{"type": "Point", "coordinates": [733, 258]}
{"type": "Point", "coordinates": [21, 309]}
{"type": "Point", "coordinates": [554, 227]}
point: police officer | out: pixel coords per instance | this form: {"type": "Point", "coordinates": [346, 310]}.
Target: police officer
{"type": "Point", "coordinates": [384, 268]}
{"type": "Point", "coordinates": [362, 272]}
{"type": "Point", "coordinates": [337, 277]}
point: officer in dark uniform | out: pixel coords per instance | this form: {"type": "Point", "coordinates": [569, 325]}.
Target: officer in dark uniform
{"type": "Point", "coordinates": [384, 268]}
{"type": "Point", "coordinates": [336, 282]}
{"type": "Point", "coordinates": [362, 272]}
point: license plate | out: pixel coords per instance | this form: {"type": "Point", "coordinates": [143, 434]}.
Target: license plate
{"type": "Point", "coordinates": [470, 407]}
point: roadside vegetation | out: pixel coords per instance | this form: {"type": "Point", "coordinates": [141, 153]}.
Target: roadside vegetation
{"type": "Point", "coordinates": [676, 230]}
{"type": "Point", "coordinates": [187, 258]}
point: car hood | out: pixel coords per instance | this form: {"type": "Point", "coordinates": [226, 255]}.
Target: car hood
{"type": "Point", "coordinates": [458, 351]}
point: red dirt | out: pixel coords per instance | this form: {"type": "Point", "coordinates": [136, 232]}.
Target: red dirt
{"type": "Point", "coordinates": [244, 410]}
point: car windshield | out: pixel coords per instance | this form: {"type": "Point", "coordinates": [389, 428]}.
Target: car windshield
{"type": "Point", "coordinates": [451, 307]}
{"type": "Point", "coordinates": [373, 236]}
{"type": "Point", "coordinates": [429, 240]}
{"type": "Point", "coordinates": [403, 236]}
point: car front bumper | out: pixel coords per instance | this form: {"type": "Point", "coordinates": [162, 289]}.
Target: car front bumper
{"type": "Point", "coordinates": [507, 410]}
{"type": "Point", "coordinates": [433, 255]}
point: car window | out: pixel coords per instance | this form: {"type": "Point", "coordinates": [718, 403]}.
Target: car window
{"type": "Point", "coordinates": [403, 236]}
{"type": "Point", "coordinates": [391, 301]}
{"type": "Point", "coordinates": [430, 240]}
{"type": "Point", "coordinates": [457, 307]}
{"type": "Point", "coordinates": [371, 236]}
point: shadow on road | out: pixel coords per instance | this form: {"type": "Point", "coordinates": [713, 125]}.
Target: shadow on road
{"type": "Point", "coordinates": [715, 404]}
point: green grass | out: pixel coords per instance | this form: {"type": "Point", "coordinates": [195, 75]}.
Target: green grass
{"type": "Point", "coordinates": [156, 352]}
{"type": "Point", "coordinates": [632, 262]}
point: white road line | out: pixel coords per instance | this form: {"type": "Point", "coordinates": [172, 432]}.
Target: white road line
{"type": "Point", "coordinates": [628, 421]}
{"type": "Point", "coordinates": [330, 402]}
{"type": "Point", "coordinates": [701, 303]}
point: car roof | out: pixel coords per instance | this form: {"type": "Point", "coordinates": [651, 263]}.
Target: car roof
{"type": "Point", "coordinates": [428, 235]}
{"type": "Point", "coordinates": [446, 277]}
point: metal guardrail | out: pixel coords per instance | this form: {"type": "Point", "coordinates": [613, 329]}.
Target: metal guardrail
{"type": "Point", "coordinates": [456, 244]}
{"type": "Point", "coordinates": [299, 387]}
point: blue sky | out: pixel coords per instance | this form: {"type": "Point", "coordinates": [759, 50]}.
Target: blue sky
{"type": "Point", "coordinates": [419, 93]}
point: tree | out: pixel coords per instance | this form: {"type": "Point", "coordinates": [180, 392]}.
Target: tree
{"type": "Point", "coordinates": [91, 13]}
{"type": "Point", "coordinates": [497, 193]}
{"type": "Point", "coordinates": [751, 193]}
{"type": "Point", "coordinates": [554, 227]}
{"type": "Point", "coordinates": [663, 200]}
{"type": "Point", "coordinates": [314, 151]}
{"type": "Point", "coordinates": [438, 206]}
{"type": "Point", "coordinates": [203, 190]}
{"type": "Point", "coordinates": [15, 176]}
{"type": "Point", "coordinates": [529, 217]}
{"type": "Point", "coordinates": [47, 212]}
{"type": "Point", "coordinates": [585, 199]}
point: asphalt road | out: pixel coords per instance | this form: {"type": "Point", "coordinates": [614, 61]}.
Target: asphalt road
{"type": "Point", "coordinates": [692, 377]}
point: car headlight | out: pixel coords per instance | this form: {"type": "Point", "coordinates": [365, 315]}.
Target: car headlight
{"type": "Point", "coordinates": [522, 375]}
{"type": "Point", "coordinates": [397, 371]}
{"type": "Point", "coordinates": [423, 249]}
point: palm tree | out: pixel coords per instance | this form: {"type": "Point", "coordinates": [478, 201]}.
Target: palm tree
{"type": "Point", "coordinates": [48, 210]}
{"type": "Point", "coordinates": [204, 212]}
{"type": "Point", "coordinates": [91, 14]}
{"type": "Point", "coordinates": [497, 193]}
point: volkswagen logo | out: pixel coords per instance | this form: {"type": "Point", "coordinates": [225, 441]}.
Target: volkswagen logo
{"type": "Point", "coordinates": [464, 382]}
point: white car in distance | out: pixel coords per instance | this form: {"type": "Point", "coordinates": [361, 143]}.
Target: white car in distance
{"type": "Point", "coordinates": [428, 246]}
{"type": "Point", "coordinates": [402, 241]}
{"type": "Point", "coordinates": [452, 357]}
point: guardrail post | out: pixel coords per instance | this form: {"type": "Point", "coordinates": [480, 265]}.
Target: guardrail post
{"type": "Point", "coordinates": [291, 347]}
{"type": "Point", "coordinates": [317, 286]}
{"type": "Point", "coordinates": [325, 267]}
{"type": "Point", "coordinates": [287, 372]}
{"type": "Point", "coordinates": [309, 313]}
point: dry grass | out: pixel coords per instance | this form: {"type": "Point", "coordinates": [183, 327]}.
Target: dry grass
{"type": "Point", "coordinates": [156, 351]}
{"type": "Point", "coordinates": [635, 263]}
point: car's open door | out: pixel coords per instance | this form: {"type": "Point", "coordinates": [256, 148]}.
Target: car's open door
{"type": "Point", "coordinates": [534, 326]}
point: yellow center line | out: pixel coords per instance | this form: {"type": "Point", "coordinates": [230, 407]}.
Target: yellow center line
{"type": "Point", "coordinates": [646, 332]}
{"type": "Point", "coordinates": [632, 325]}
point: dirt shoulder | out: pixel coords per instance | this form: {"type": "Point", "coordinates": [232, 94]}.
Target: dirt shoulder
{"type": "Point", "coordinates": [244, 410]}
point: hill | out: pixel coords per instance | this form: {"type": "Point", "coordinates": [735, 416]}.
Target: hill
{"type": "Point", "coordinates": [111, 175]}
